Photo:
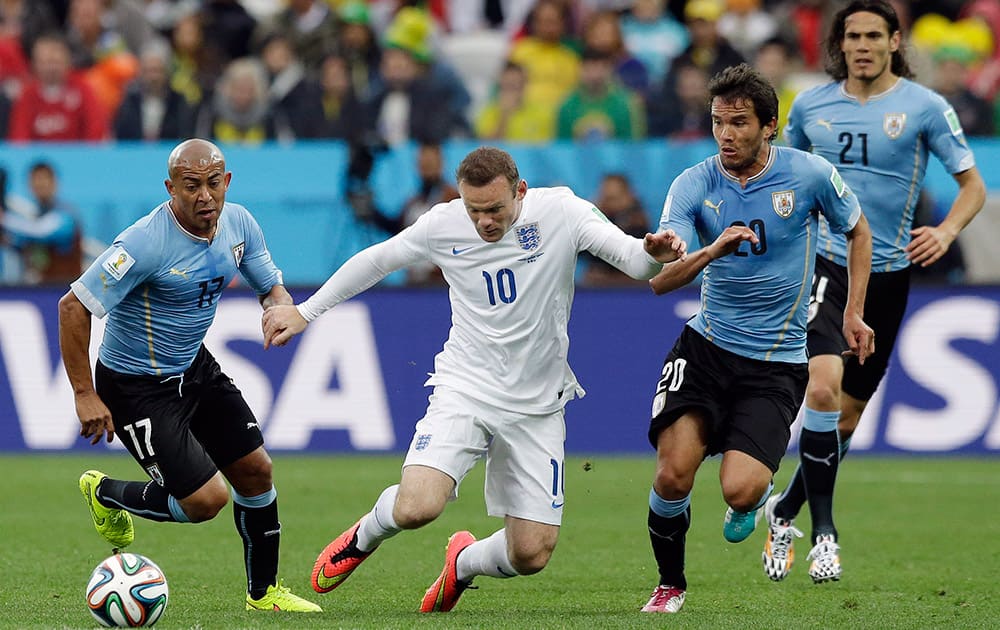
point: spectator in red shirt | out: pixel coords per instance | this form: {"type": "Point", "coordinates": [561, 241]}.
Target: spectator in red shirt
{"type": "Point", "coordinates": [56, 105]}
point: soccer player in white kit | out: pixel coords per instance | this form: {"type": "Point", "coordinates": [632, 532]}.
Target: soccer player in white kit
{"type": "Point", "coordinates": [502, 379]}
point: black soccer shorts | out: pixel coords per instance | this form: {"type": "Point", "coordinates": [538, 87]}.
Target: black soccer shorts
{"type": "Point", "coordinates": [181, 429]}
{"type": "Point", "coordinates": [749, 405]}
{"type": "Point", "coordinates": [885, 305]}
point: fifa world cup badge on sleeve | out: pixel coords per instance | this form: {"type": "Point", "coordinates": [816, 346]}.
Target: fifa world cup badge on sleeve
{"type": "Point", "coordinates": [838, 182]}
{"type": "Point", "coordinates": [953, 123]}
{"type": "Point", "coordinates": [118, 262]}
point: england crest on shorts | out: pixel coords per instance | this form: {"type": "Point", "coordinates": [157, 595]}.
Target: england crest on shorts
{"type": "Point", "coordinates": [529, 237]}
{"type": "Point", "coordinates": [893, 125]}
{"type": "Point", "coordinates": [783, 202]}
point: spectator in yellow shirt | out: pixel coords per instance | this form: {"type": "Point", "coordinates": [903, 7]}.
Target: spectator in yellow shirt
{"type": "Point", "coordinates": [552, 67]}
{"type": "Point", "coordinates": [508, 116]}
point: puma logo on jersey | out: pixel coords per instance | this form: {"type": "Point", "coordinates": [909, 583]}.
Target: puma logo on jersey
{"type": "Point", "coordinates": [179, 272]}
{"type": "Point", "coordinates": [828, 460]}
{"type": "Point", "coordinates": [828, 124]}
{"type": "Point", "coordinates": [715, 206]}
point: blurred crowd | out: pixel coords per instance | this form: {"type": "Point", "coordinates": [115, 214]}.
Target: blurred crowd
{"type": "Point", "coordinates": [381, 73]}
{"type": "Point", "coordinates": [391, 71]}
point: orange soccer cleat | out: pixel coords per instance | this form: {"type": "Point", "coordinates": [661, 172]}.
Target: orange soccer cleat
{"type": "Point", "coordinates": [445, 591]}
{"type": "Point", "coordinates": [337, 561]}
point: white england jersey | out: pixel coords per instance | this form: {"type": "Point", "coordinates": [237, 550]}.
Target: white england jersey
{"type": "Point", "coordinates": [510, 300]}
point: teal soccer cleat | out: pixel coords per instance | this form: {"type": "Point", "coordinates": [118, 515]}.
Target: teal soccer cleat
{"type": "Point", "coordinates": [738, 526]}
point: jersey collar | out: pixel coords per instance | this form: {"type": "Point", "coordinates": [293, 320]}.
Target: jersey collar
{"type": "Point", "coordinates": [771, 153]}
{"type": "Point", "coordinates": [185, 232]}
{"type": "Point", "coordinates": [888, 90]}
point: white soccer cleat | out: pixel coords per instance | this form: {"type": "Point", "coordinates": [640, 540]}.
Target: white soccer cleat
{"type": "Point", "coordinates": [825, 565]}
{"type": "Point", "coordinates": [779, 550]}
{"type": "Point", "coordinates": [665, 599]}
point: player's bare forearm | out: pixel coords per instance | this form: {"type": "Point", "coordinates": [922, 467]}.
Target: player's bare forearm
{"type": "Point", "coordinates": [277, 295]}
{"type": "Point", "coordinates": [680, 272]}
{"type": "Point", "coordinates": [969, 201]}
{"type": "Point", "coordinates": [929, 243]}
{"type": "Point", "coordinates": [860, 337]}
{"type": "Point", "coordinates": [859, 265]}
{"type": "Point", "coordinates": [74, 344]}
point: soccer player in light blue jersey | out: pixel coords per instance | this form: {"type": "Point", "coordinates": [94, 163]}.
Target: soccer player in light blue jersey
{"type": "Point", "coordinates": [159, 388]}
{"type": "Point", "coordinates": [735, 378]}
{"type": "Point", "coordinates": [877, 127]}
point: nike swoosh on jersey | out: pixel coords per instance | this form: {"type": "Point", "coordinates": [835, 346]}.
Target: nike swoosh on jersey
{"type": "Point", "coordinates": [556, 505]}
{"type": "Point", "coordinates": [456, 251]}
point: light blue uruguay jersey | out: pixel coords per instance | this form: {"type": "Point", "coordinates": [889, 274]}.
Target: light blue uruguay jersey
{"type": "Point", "coordinates": [881, 149]}
{"type": "Point", "coordinates": [160, 286]}
{"type": "Point", "coordinates": [754, 301]}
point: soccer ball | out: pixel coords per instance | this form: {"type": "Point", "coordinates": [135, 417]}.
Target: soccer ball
{"type": "Point", "coordinates": [127, 591]}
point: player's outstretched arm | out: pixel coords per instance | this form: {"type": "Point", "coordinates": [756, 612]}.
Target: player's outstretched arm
{"type": "Point", "coordinates": [281, 323]}
{"type": "Point", "coordinates": [682, 271]}
{"type": "Point", "coordinates": [74, 343]}
{"type": "Point", "coordinates": [929, 243]}
{"type": "Point", "coordinates": [665, 246]}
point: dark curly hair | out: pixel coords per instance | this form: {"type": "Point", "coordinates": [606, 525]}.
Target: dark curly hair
{"type": "Point", "coordinates": [835, 64]}
{"type": "Point", "coordinates": [744, 83]}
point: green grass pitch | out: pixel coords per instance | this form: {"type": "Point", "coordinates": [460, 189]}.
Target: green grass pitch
{"type": "Point", "coordinates": [920, 536]}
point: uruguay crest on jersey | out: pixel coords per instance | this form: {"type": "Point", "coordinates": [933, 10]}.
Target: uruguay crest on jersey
{"type": "Point", "coordinates": [155, 474]}
{"type": "Point", "coordinates": [238, 252]}
{"type": "Point", "coordinates": [893, 125]}
{"type": "Point", "coordinates": [529, 237]}
{"type": "Point", "coordinates": [783, 202]}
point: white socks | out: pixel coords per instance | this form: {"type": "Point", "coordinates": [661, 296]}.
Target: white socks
{"type": "Point", "coordinates": [486, 557]}
{"type": "Point", "coordinates": [378, 525]}
{"type": "Point", "coordinates": [483, 557]}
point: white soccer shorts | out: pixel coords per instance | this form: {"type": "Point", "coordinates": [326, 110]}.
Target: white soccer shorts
{"type": "Point", "coordinates": [524, 453]}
